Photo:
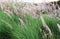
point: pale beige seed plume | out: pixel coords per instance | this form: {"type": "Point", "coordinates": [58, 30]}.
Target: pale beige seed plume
{"type": "Point", "coordinates": [7, 24]}
{"type": "Point", "coordinates": [58, 26]}
{"type": "Point", "coordinates": [45, 25]}
{"type": "Point", "coordinates": [22, 22]}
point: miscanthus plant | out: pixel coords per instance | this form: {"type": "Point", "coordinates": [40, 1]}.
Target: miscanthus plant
{"type": "Point", "coordinates": [13, 26]}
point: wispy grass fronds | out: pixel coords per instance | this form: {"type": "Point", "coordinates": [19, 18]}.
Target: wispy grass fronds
{"type": "Point", "coordinates": [18, 27]}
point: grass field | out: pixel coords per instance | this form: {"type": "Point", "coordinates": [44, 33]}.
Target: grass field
{"type": "Point", "coordinates": [14, 26]}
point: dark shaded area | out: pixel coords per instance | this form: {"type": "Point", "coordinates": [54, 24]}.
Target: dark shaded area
{"type": "Point", "coordinates": [5, 32]}
{"type": "Point", "coordinates": [58, 3]}
{"type": "Point", "coordinates": [5, 35]}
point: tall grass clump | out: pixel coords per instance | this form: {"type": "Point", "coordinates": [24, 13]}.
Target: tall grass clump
{"type": "Point", "coordinates": [13, 26]}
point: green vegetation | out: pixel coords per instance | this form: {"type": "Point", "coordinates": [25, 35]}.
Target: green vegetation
{"type": "Point", "coordinates": [20, 27]}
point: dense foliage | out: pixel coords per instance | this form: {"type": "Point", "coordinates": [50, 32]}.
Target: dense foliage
{"type": "Point", "coordinates": [26, 27]}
